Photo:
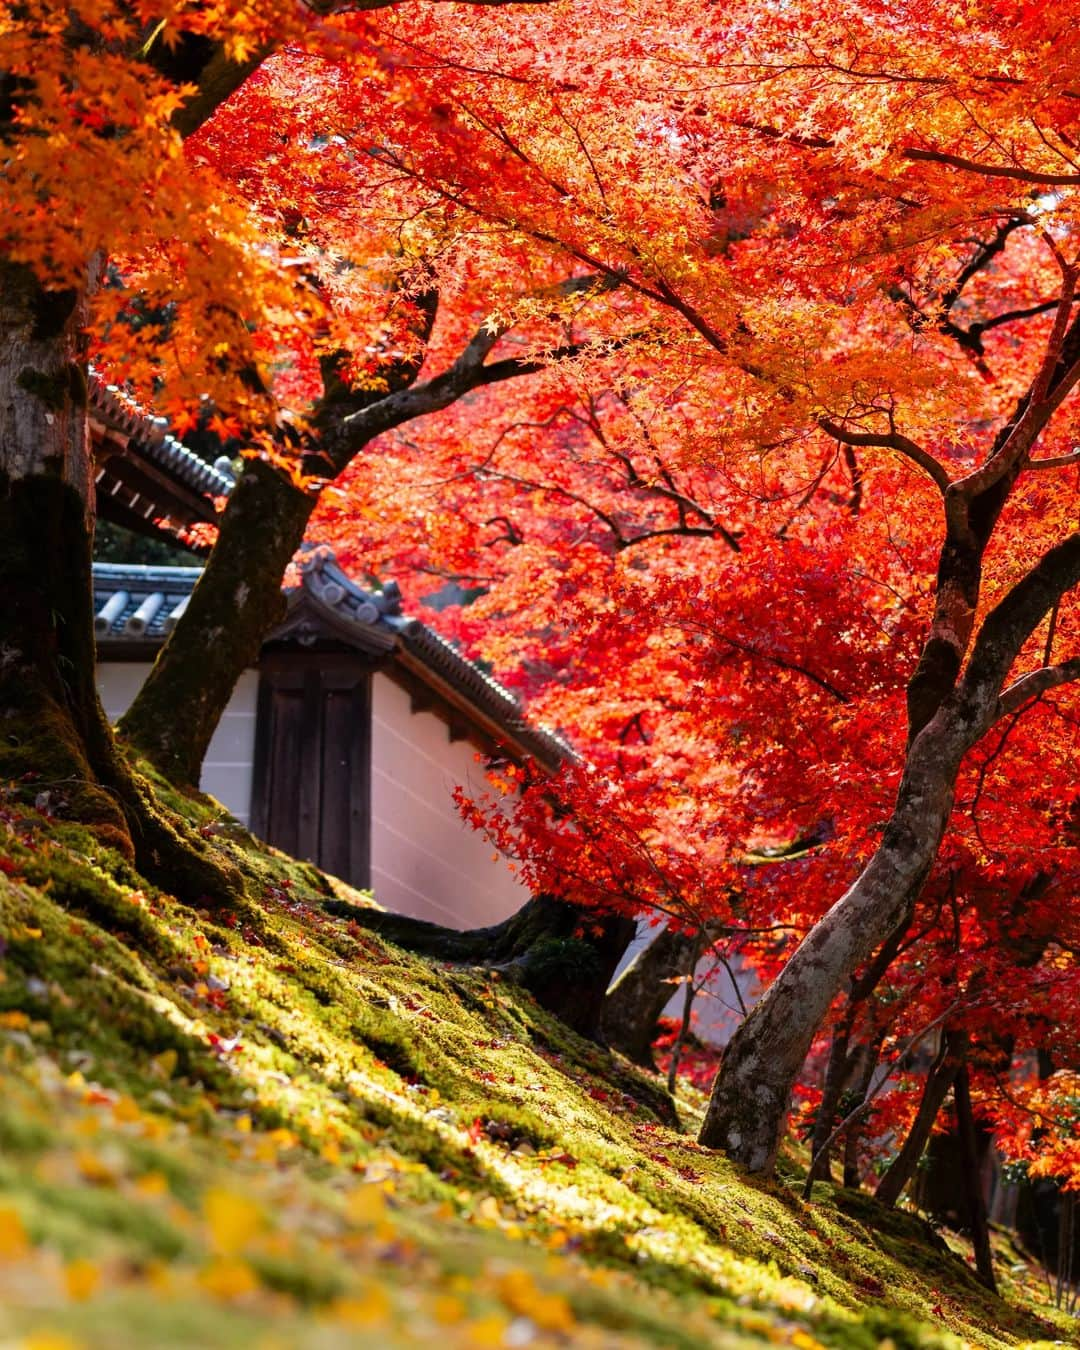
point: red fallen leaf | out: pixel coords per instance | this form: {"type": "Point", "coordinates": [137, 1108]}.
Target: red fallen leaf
{"type": "Point", "coordinates": [566, 1159]}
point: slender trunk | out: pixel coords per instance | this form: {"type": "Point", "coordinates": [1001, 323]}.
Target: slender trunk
{"type": "Point", "coordinates": [837, 1072]}
{"type": "Point", "coordinates": [235, 604]}
{"type": "Point", "coordinates": [976, 1205]}
{"type": "Point", "coordinates": [57, 743]}
{"type": "Point", "coordinates": [752, 1093]}
{"type": "Point", "coordinates": [938, 1082]}
{"type": "Point", "coordinates": [636, 1000]}
{"type": "Point", "coordinates": [564, 958]}
{"type": "Point", "coordinates": [866, 1063]}
{"type": "Point", "coordinates": [684, 1023]}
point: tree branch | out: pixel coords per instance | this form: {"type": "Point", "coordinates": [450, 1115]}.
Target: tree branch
{"type": "Point", "coordinates": [991, 170]}
{"type": "Point", "coordinates": [892, 441]}
{"type": "Point", "coordinates": [1036, 683]}
{"type": "Point", "coordinates": [1008, 626]}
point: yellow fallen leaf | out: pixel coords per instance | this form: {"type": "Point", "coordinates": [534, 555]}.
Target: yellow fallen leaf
{"type": "Point", "coordinates": [126, 1111]}
{"type": "Point", "coordinates": [448, 1310]}
{"type": "Point", "coordinates": [81, 1278]}
{"type": "Point", "coordinates": [228, 1278]}
{"type": "Point", "coordinates": [488, 1333]}
{"type": "Point", "coordinates": [15, 1020]}
{"type": "Point", "coordinates": [152, 1184]}
{"type": "Point", "coordinates": [367, 1310]}
{"type": "Point", "coordinates": [551, 1312]}
{"type": "Point", "coordinates": [50, 1340]}
{"type": "Point", "coordinates": [488, 1210]}
{"type": "Point", "coordinates": [164, 1065]}
{"type": "Point", "coordinates": [94, 1168]}
{"type": "Point", "coordinates": [366, 1205]}
{"type": "Point", "coordinates": [158, 1276]}
{"type": "Point", "coordinates": [13, 1240]}
{"type": "Point", "coordinates": [233, 1219]}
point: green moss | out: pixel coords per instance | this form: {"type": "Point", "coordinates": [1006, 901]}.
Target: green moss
{"type": "Point", "coordinates": [153, 1056]}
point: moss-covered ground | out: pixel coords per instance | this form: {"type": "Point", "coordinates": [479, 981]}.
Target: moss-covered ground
{"type": "Point", "coordinates": [267, 1128]}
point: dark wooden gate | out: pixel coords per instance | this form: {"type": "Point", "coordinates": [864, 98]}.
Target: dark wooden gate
{"type": "Point", "coordinates": [311, 794]}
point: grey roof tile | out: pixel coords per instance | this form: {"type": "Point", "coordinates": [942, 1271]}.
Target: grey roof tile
{"type": "Point", "coordinates": [113, 409]}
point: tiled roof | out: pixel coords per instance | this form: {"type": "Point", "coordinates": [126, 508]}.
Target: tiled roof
{"type": "Point", "coordinates": [114, 410]}
{"type": "Point", "coordinates": [134, 602]}
{"type": "Point", "coordinates": [141, 604]}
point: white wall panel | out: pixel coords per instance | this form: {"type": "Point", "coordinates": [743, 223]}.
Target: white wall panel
{"type": "Point", "coordinates": [226, 771]}
{"type": "Point", "coordinates": [425, 861]}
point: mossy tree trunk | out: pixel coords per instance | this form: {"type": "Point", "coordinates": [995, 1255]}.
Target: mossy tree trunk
{"type": "Point", "coordinates": [637, 999]}
{"type": "Point", "coordinates": [564, 957]}
{"type": "Point", "coordinates": [55, 742]}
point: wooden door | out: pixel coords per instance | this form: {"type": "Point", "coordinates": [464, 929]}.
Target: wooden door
{"type": "Point", "coordinates": [311, 794]}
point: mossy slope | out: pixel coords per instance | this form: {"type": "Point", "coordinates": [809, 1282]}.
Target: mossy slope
{"type": "Point", "coordinates": [269, 1128]}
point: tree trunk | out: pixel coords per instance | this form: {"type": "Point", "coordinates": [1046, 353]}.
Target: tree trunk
{"type": "Point", "coordinates": [55, 741]}
{"type": "Point", "coordinates": [234, 605]}
{"type": "Point", "coordinates": [938, 1082]}
{"type": "Point", "coordinates": [976, 1205]}
{"type": "Point", "coordinates": [837, 1072]}
{"type": "Point", "coordinates": [635, 1001]}
{"type": "Point", "coordinates": [752, 1093]}
{"type": "Point", "coordinates": [564, 957]}
{"type": "Point", "coordinates": [865, 1063]}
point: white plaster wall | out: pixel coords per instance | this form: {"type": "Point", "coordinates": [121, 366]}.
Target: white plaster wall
{"type": "Point", "coordinates": [425, 861]}
{"type": "Point", "coordinates": [226, 772]}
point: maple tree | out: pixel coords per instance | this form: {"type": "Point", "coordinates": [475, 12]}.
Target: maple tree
{"type": "Point", "coordinates": [875, 251]}
{"type": "Point", "coordinates": [112, 231]}
{"type": "Point", "coordinates": [808, 432]}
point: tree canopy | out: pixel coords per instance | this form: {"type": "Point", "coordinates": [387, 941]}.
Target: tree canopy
{"type": "Point", "coordinates": [752, 341]}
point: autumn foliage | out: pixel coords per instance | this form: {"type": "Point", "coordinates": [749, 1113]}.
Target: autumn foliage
{"type": "Point", "coordinates": [794, 293]}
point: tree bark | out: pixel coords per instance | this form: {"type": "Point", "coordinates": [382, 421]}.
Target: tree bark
{"type": "Point", "coordinates": [635, 1001]}
{"type": "Point", "coordinates": [55, 742]}
{"type": "Point", "coordinates": [866, 1061]}
{"type": "Point", "coordinates": [837, 1072]}
{"type": "Point", "coordinates": [752, 1093]}
{"type": "Point", "coordinates": [976, 1205]}
{"type": "Point", "coordinates": [564, 957]}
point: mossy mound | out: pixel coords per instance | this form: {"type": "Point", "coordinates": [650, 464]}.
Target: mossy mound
{"type": "Point", "coordinates": [269, 1128]}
